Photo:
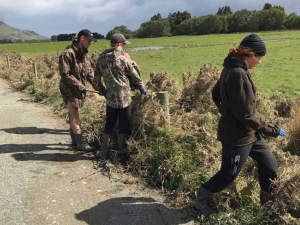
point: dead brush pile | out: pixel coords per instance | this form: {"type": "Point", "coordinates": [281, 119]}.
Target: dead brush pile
{"type": "Point", "coordinates": [294, 130]}
{"type": "Point", "coordinates": [287, 193]}
{"type": "Point", "coordinates": [179, 157]}
{"type": "Point", "coordinates": [171, 156]}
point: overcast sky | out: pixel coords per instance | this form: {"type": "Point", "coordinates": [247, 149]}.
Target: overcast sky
{"type": "Point", "coordinates": [50, 17]}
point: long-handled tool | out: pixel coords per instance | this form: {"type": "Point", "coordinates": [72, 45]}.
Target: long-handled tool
{"type": "Point", "coordinates": [97, 92]}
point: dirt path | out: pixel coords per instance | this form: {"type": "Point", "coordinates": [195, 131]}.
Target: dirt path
{"type": "Point", "coordinates": [43, 181]}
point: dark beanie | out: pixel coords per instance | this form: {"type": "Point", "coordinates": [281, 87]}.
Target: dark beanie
{"type": "Point", "coordinates": [254, 42]}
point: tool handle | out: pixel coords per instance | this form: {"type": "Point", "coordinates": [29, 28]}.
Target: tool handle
{"type": "Point", "coordinates": [97, 92]}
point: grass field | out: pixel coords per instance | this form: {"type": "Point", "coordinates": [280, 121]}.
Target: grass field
{"type": "Point", "coordinates": [279, 71]}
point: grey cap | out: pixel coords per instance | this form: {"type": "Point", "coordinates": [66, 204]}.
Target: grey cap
{"type": "Point", "coordinates": [119, 38]}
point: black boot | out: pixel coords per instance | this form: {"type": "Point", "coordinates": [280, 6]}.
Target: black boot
{"type": "Point", "coordinates": [122, 142]}
{"type": "Point", "coordinates": [81, 145]}
{"type": "Point", "coordinates": [73, 140]}
{"type": "Point", "coordinates": [106, 146]}
{"type": "Point", "coordinates": [264, 196]}
{"type": "Point", "coordinates": [201, 204]}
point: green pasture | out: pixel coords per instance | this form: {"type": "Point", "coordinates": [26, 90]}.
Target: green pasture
{"type": "Point", "coordinates": [214, 39]}
{"type": "Point", "coordinates": [278, 73]}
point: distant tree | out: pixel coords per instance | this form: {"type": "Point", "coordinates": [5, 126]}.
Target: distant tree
{"type": "Point", "coordinates": [5, 41]}
{"type": "Point", "coordinates": [278, 7]}
{"type": "Point", "coordinates": [254, 22]}
{"type": "Point", "coordinates": [176, 18]}
{"type": "Point", "coordinates": [156, 17]}
{"type": "Point", "coordinates": [292, 21]}
{"type": "Point", "coordinates": [68, 37]}
{"type": "Point", "coordinates": [53, 38]}
{"type": "Point", "coordinates": [224, 11]}
{"type": "Point", "coordinates": [110, 33]}
{"type": "Point", "coordinates": [210, 24]}
{"type": "Point", "coordinates": [273, 19]}
{"type": "Point", "coordinates": [267, 6]}
{"type": "Point", "coordinates": [225, 21]}
{"type": "Point", "coordinates": [135, 34]}
{"type": "Point", "coordinates": [119, 29]}
{"type": "Point", "coordinates": [158, 28]}
{"type": "Point", "coordinates": [98, 36]}
{"type": "Point", "coordinates": [240, 21]}
{"type": "Point", "coordinates": [65, 37]}
{"type": "Point", "coordinates": [186, 27]}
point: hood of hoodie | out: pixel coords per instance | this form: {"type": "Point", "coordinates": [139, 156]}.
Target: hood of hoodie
{"type": "Point", "coordinates": [114, 52]}
{"type": "Point", "coordinates": [80, 52]}
{"type": "Point", "coordinates": [230, 62]}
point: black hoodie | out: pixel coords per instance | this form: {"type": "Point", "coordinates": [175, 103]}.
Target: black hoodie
{"type": "Point", "coordinates": [235, 96]}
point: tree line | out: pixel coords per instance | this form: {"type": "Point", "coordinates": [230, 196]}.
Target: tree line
{"type": "Point", "coordinates": [224, 21]}
{"type": "Point", "coordinates": [68, 37]}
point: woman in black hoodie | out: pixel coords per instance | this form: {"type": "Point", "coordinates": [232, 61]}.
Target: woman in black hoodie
{"type": "Point", "coordinates": [240, 128]}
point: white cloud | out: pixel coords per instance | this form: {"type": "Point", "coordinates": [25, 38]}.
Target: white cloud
{"type": "Point", "coordinates": [39, 15]}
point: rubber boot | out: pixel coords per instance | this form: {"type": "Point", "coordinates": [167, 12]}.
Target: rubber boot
{"type": "Point", "coordinates": [264, 196]}
{"type": "Point", "coordinates": [81, 145]}
{"type": "Point", "coordinates": [122, 142]}
{"type": "Point", "coordinates": [106, 146]}
{"type": "Point", "coordinates": [73, 140]}
{"type": "Point", "coordinates": [202, 202]}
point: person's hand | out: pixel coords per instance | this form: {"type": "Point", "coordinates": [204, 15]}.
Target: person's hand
{"type": "Point", "coordinates": [84, 90]}
{"type": "Point", "coordinates": [282, 132]}
{"type": "Point", "coordinates": [143, 91]}
{"type": "Point", "coordinates": [104, 95]}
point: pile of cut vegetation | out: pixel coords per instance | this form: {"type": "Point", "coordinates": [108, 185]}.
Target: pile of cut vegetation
{"type": "Point", "coordinates": [179, 153]}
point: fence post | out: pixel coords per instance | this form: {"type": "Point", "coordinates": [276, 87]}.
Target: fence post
{"type": "Point", "coordinates": [35, 70]}
{"type": "Point", "coordinates": [164, 100]}
{"type": "Point", "coordinates": [8, 62]}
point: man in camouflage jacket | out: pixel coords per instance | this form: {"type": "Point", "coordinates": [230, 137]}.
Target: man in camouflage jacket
{"type": "Point", "coordinates": [115, 70]}
{"type": "Point", "coordinates": [75, 69]}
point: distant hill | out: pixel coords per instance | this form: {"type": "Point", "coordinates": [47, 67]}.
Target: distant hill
{"type": "Point", "coordinates": [11, 33]}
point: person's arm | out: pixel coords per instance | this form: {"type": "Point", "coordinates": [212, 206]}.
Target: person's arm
{"type": "Point", "coordinates": [127, 57]}
{"type": "Point", "coordinates": [65, 61]}
{"type": "Point", "coordinates": [97, 83]}
{"type": "Point", "coordinates": [216, 95]}
{"type": "Point", "coordinates": [89, 72]}
{"type": "Point", "coordinates": [136, 79]}
{"type": "Point", "coordinates": [242, 100]}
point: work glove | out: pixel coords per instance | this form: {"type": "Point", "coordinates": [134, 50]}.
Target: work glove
{"type": "Point", "coordinates": [143, 91]}
{"type": "Point", "coordinates": [84, 90]}
{"type": "Point", "coordinates": [282, 132]}
{"type": "Point", "coordinates": [104, 95]}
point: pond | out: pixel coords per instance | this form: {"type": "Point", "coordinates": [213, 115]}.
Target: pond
{"type": "Point", "coordinates": [149, 48]}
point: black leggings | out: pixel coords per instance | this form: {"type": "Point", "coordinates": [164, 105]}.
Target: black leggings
{"type": "Point", "coordinates": [233, 159]}
{"type": "Point", "coordinates": [111, 119]}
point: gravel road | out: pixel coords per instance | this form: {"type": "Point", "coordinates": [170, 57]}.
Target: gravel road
{"type": "Point", "coordinates": [43, 181]}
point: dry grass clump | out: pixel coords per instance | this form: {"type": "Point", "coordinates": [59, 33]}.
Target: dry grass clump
{"type": "Point", "coordinates": [93, 116]}
{"type": "Point", "coordinates": [286, 195]}
{"type": "Point", "coordinates": [162, 81]}
{"type": "Point", "coordinates": [283, 105]}
{"type": "Point", "coordinates": [170, 156]}
{"type": "Point", "coordinates": [147, 114]}
{"type": "Point", "coordinates": [196, 93]}
{"type": "Point", "coordinates": [294, 131]}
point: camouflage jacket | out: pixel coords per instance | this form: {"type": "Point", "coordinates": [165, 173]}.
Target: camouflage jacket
{"type": "Point", "coordinates": [75, 69]}
{"type": "Point", "coordinates": [114, 68]}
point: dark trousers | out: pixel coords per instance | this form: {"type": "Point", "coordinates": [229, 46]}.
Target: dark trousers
{"type": "Point", "coordinates": [233, 159]}
{"type": "Point", "coordinates": [112, 116]}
